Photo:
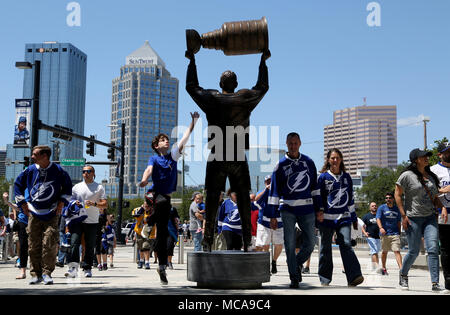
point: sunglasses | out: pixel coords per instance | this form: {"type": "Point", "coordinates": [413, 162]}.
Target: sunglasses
{"type": "Point", "coordinates": [389, 198]}
{"type": "Point", "coordinates": [87, 171]}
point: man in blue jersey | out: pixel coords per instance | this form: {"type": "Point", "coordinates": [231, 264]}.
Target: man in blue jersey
{"type": "Point", "coordinates": [162, 169]}
{"type": "Point", "coordinates": [295, 194]}
{"type": "Point", "coordinates": [50, 188]}
{"type": "Point", "coordinates": [389, 221]}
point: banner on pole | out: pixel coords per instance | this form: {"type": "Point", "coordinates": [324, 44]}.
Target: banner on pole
{"type": "Point", "coordinates": [22, 124]}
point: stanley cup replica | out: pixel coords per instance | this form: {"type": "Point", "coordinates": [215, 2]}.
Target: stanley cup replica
{"type": "Point", "coordinates": [229, 108]}
{"type": "Point", "coordinates": [233, 38]}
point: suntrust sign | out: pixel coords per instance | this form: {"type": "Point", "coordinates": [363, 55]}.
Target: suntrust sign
{"type": "Point", "coordinates": [140, 61]}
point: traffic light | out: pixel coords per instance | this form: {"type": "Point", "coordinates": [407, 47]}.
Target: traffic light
{"type": "Point", "coordinates": [90, 147]}
{"type": "Point", "coordinates": [112, 152]}
{"type": "Point", "coordinates": [26, 161]}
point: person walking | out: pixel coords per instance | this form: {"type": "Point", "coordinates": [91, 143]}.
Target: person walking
{"type": "Point", "coordinates": [420, 186]}
{"type": "Point", "coordinates": [22, 223]}
{"type": "Point", "coordinates": [267, 231]}
{"type": "Point", "coordinates": [50, 188]}
{"type": "Point", "coordinates": [338, 216]}
{"type": "Point", "coordinates": [162, 168]}
{"type": "Point", "coordinates": [294, 193]}
{"type": "Point", "coordinates": [371, 231]}
{"type": "Point", "coordinates": [442, 171]}
{"type": "Point", "coordinates": [92, 196]}
{"type": "Point", "coordinates": [389, 223]}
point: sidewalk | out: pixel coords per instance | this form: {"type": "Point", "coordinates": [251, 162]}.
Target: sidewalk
{"type": "Point", "coordinates": [126, 279]}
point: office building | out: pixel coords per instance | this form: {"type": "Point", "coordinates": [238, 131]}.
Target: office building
{"type": "Point", "coordinates": [62, 100]}
{"type": "Point", "coordinates": [366, 136]}
{"type": "Point", "coordinates": [145, 98]}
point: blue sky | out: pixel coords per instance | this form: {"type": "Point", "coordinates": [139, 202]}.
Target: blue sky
{"type": "Point", "coordinates": [324, 57]}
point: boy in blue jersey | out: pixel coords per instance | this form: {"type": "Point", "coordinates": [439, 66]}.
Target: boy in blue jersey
{"type": "Point", "coordinates": [50, 188]}
{"type": "Point", "coordinates": [295, 194]}
{"type": "Point", "coordinates": [389, 221]}
{"type": "Point", "coordinates": [229, 222]}
{"type": "Point", "coordinates": [162, 168]}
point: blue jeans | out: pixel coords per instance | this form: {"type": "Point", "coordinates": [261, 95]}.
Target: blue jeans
{"type": "Point", "coordinates": [307, 225]}
{"type": "Point", "coordinates": [343, 239]}
{"type": "Point", "coordinates": [428, 228]}
{"type": "Point", "coordinates": [62, 256]}
{"type": "Point", "coordinates": [197, 237]}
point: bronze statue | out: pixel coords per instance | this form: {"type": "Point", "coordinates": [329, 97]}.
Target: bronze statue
{"type": "Point", "coordinates": [228, 114]}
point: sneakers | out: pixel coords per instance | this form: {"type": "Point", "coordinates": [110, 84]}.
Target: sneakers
{"type": "Point", "coordinates": [140, 264]}
{"type": "Point", "coordinates": [35, 280]}
{"type": "Point", "coordinates": [435, 287]}
{"type": "Point", "coordinates": [294, 284]}
{"type": "Point", "coordinates": [305, 270]}
{"type": "Point", "coordinates": [147, 265]}
{"type": "Point", "coordinates": [384, 272]}
{"type": "Point", "coordinates": [59, 264]}
{"type": "Point", "coordinates": [71, 273]}
{"type": "Point", "coordinates": [47, 280]}
{"type": "Point", "coordinates": [403, 282]}
{"type": "Point", "coordinates": [105, 266]}
{"type": "Point", "coordinates": [170, 266]}
{"type": "Point", "coordinates": [162, 276]}
{"type": "Point", "coordinates": [274, 267]}
{"type": "Point", "coordinates": [88, 273]}
{"type": "Point", "coordinates": [100, 267]}
{"type": "Point", "coordinates": [356, 282]}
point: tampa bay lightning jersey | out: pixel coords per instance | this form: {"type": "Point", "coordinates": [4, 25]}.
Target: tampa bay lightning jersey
{"type": "Point", "coordinates": [294, 187]}
{"type": "Point", "coordinates": [266, 212]}
{"type": "Point", "coordinates": [337, 197]}
{"type": "Point", "coordinates": [46, 188]}
{"type": "Point", "coordinates": [443, 173]}
{"type": "Point", "coordinates": [229, 218]}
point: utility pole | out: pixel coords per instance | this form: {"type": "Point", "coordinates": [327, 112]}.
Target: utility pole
{"type": "Point", "coordinates": [425, 121]}
{"type": "Point", "coordinates": [121, 182]}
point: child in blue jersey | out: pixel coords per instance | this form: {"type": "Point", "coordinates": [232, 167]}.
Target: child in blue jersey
{"type": "Point", "coordinates": [162, 169]}
{"type": "Point", "coordinates": [229, 222]}
{"type": "Point", "coordinates": [338, 216]}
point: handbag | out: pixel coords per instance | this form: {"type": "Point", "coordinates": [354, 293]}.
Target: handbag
{"type": "Point", "coordinates": [435, 201]}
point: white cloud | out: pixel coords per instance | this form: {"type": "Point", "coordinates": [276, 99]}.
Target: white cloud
{"type": "Point", "coordinates": [412, 121]}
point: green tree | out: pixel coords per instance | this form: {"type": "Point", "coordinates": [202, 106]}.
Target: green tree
{"type": "Point", "coordinates": [4, 187]}
{"type": "Point", "coordinates": [378, 182]}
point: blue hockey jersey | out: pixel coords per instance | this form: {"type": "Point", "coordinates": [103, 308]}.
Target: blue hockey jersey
{"type": "Point", "coordinates": [294, 187]}
{"type": "Point", "coordinates": [46, 188]}
{"type": "Point", "coordinates": [74, 214]}
{"type": "Point", "coordinates": [265, 211]}
{"type": "Point", "coordinates": [229, 218]}
{"type": "Point", "coordinates": [337, 196]}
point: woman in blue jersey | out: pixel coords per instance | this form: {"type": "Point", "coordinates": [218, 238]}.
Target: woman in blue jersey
{"type": "Point", "coordinates": [229, 222]}
{"type": "Point", "coordinates": [162, 169]}
{"type": "Point", "coordinates": [336, 190]}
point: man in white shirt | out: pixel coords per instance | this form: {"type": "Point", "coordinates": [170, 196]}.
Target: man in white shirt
{"type": "Point", "coordinates": [92, 196]}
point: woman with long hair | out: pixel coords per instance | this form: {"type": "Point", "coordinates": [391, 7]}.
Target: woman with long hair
{"type": "Point", "coordinates": [338, 216]}
{"type": "Point", "coordinates": [420, 187]}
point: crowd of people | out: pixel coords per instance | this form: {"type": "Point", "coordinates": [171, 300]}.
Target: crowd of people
{"type": "Point", "coordinates": [293, 207]}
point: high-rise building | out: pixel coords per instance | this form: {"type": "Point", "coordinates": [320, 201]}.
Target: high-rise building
{"type": "Point", "coordinates": [366, 136]}
{"type": "Point", "coordinates": [2, 162]}
{"type": "Point", "coordinates": [62, 99]}
{"type": "Point", "coordinates": [145, 98]}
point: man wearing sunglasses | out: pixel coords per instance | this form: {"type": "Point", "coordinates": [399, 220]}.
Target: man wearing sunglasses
{"type": "Point", "coordinates": [91, 196]}
{"type": "Point", "coordinates": [389, 221]}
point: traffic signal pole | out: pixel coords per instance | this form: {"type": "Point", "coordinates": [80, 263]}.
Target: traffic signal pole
{"type": "Point", "coordinates": [119, 236]}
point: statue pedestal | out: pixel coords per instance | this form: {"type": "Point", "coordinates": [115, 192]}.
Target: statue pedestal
{"type": "Point", "coordinates": [228, 269]}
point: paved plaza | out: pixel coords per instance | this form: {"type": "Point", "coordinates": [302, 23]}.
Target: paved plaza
{"type": "Point", "coordinates": [126, 279]}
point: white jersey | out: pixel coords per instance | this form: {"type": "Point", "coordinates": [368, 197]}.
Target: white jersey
{"type": "Point", "coordinates": [443, 173]}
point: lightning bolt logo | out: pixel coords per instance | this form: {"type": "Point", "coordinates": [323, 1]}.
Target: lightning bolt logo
{"type": "Point", "coordinates": [300, 181]}
{"type": "Point", "coordinates": [340, 198]}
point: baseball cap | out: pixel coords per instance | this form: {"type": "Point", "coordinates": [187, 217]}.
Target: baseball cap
{"type": "Point", "coordinates": [443, 146]}
{"type": "Point", "coordinates": [267, 177]}
{"type": "Point", "coordinates": [417, 153]}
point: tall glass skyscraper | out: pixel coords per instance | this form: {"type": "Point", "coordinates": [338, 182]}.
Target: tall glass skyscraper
{"type": "Point", "coordinates": [145, 98]}
{"type": "Point", "coordinates": [62, 99]}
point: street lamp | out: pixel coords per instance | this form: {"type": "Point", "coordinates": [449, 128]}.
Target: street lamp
{"type": "Point", "coordinates": [182, 191]}
{"type": "Point", "coordinates": [37, 85]}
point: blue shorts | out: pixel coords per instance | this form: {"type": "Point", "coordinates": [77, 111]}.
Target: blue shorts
{"type": "Point", "coordinates": [374, 245]}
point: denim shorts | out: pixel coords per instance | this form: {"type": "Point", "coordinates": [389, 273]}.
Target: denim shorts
{"type": "Point", "coordinates": [374, 245]}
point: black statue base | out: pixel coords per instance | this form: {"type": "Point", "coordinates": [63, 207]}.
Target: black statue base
{"type": "Point", "coordinates": [228, 269]}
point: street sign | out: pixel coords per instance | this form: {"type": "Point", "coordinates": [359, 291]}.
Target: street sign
{"type": "Point", "coordinates": [73, 162]}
